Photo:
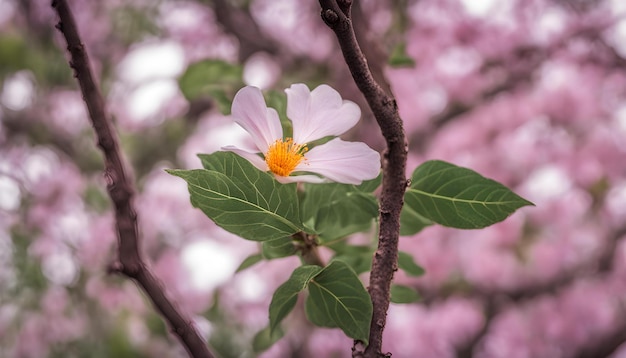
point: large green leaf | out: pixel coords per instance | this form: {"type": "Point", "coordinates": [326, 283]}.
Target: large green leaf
{"type": "Point", "coordinates": [242, 199]}
{"type": "Point", "coordinates": [339, 297]}
{"type": "Point", "coordinates": [316, 316]}
{"type": "Point", "coordinates": [214, 79]}
{"type": "Point", "coordinates": [285, 296]}
{"type": "Point", "coordinates": [336, 210]}
{"type": "Point", "coordinates": [459, 197]}
{"type": "Point", "coordinates": [274, 249]}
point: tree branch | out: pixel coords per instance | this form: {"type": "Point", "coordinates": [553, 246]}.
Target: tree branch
{"type": "Point", "coordinates": [240, 23]}
{"type": "Point", "coordinates": [121, 190]}
{"type": "Point", "coordinates": [336, 14]}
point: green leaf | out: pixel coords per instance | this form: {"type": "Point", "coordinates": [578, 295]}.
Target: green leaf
{"type": "Point", "coordinates": [411, 222]}
{"type": "Point", "coordinates": [399, 57]}
{"type": "Point", "coordinates": [369, 186]}
{"type": "Point", "coordinates": [316, 316]}
{"type": "Point", "coordinates": [358, 257]}
{"type": "Point", "coordinates": [242, 199]}
{"type": "Point", "coordinates": [359, 262]}
{"type": "Point", "coordinates": [459, 197]}
{"type": "Point", "coordinates": [250, 261]}
{"type": "Point", "coordinates": [274, 249]}
{"type": "Point", "coordinates": [340, 297]}
{"type": "Point", "coordinates": [215, 79]}
{"type": "Point", "coordinates": [408, 265]}
{"type": "Point", "coordinates": [336, 210]}
{"type": "Point", "coordinates": [228, 163]}
{"type": "Point", "coordinates": [265, 338]}
{"type": "Point", "coordinates": [403, 294]}
{"type": "Point", "coordinates": [285, 296]}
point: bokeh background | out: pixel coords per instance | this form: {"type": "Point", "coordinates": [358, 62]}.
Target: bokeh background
{"type": "Point", "coordinates": [531, 93]}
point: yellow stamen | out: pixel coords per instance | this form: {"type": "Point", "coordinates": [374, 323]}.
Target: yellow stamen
{"type": "Point", "coordinates": [283, 156]}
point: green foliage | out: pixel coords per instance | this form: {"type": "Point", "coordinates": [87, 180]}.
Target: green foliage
{"type": "Point", "coordinates": [274, 249]}
{"type": "Point", "coordinates": [336, 210]}
{"type": "Point", "coordinates": [411, 222]}
{"type": "Point", "coordinates": [359, 258]}
{"type": "Point", "coordinates": [285, 297]}
{"type": "Point", "coordinates": [241, 199]}
{"type": "Point", "coordinates": [96, 198]}
{"type": "Point", "coordinates": [214, 79]}
{"type": "Point", "coordinates": [317, 316]}
{"type": "Point", "coordinates": [249, 261]}
{"type": "Point", "coordinates": [265, 338]}
{"type": "Point", "coordinates": [131, 23]}
{"type": "Point", "coordinates": [28, 271]}
{"type": "Point", "coordinates": [43, 59]}
{"type": "Point", "coordinates": [408, 265]}
{"type": "Point", "coordinates": [252, 204]}
{"type": "Point", "coordinates": [339, 297]}
{"type": "Point", "coordinates": [459, 197]}
{"type": "Point", "coordinates": [403, 294]}
{"type": "Point", "coordinates": [399, 57]}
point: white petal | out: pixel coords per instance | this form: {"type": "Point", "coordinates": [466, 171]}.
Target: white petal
{"type": "Point", "coordinates": [252, 157]}
{"type": "Point", "coordinates": [250, 112]}
{"type": "Point", "coordinates": [343, 162]}
{"type": "Point", "coordinates": [319, 113]}
{"type": "Point", "coordinates": [300, 179]}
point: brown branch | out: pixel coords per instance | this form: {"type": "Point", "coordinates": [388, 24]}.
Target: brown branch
{"type": "Point", "coordinates": [336, 14]}
{"type": "Point", "coordinates": [240, 23]}
{"type": "Point", "coordinates": [121, 190]}
{"type": "Point", "coordinates": [307, 246]}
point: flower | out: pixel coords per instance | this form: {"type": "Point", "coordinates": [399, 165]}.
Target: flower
{"type": "Point", "coordinates": [314, 114]}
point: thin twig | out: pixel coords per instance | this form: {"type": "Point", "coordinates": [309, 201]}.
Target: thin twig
{"type": "Point", "coordinates": [307, 246]}
{"type": "Point", "coordinates": [240, 23]}
{"type": "Point", "coordinates": [336, 14]}
{"type": "Point", "coordinates": [121, 190]}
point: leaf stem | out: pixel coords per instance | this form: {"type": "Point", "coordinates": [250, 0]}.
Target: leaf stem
{"type": "Point", "coordinates": [307, 246]}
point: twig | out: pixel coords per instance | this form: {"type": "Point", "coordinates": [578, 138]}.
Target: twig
{"type": "Point", "coordinates": [121, 190]}
{"type": "Point", "coordinates": [307, 246]}
{"type": "Point", "coordinates": [240, 23]}
{"type": "Point", "coordinates": [336, 14]}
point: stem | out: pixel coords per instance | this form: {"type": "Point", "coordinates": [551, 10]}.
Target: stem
{"type": "Point", "coordinates": [307, 246]}
{"type": "Point", "coordinates": [121, 190]}
{"type": "Point", "coordinates": [336, 14]}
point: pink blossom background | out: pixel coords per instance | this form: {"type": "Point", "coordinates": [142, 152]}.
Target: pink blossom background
{"type": "Point", "coordinates": [530, 93]}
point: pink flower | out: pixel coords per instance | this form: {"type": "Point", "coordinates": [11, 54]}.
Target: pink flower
{"type": "Point", "coordinates": [314, 115]}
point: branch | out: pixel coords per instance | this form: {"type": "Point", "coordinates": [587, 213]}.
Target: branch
{"type": "Point", "coordinates": [307, 246]}
{"type": "Point", "coordinates": [336, 14]}
{"type": "Point", "coordinates": [121, 190]}
{"type": "Point", "coordinates": [240, 23]}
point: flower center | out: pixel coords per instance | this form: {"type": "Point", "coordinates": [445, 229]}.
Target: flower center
{"type": "Point", "coordinates": [283, 156]}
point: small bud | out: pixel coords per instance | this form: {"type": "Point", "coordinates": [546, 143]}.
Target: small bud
{"type": "Point", "coordinates": [330, 17]}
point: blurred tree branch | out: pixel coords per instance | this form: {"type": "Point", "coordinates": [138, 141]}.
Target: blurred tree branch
{"type": "Point", "coordinates": [240, 23]}
{"type": "Point", "coordinates": [121, 190]}
{"type": "Point", "coordinates": [599, 267]}
{"type": "Point", "coordinates": [336, 14]}
{"type": "Point", "coordinates": [519, 67]}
